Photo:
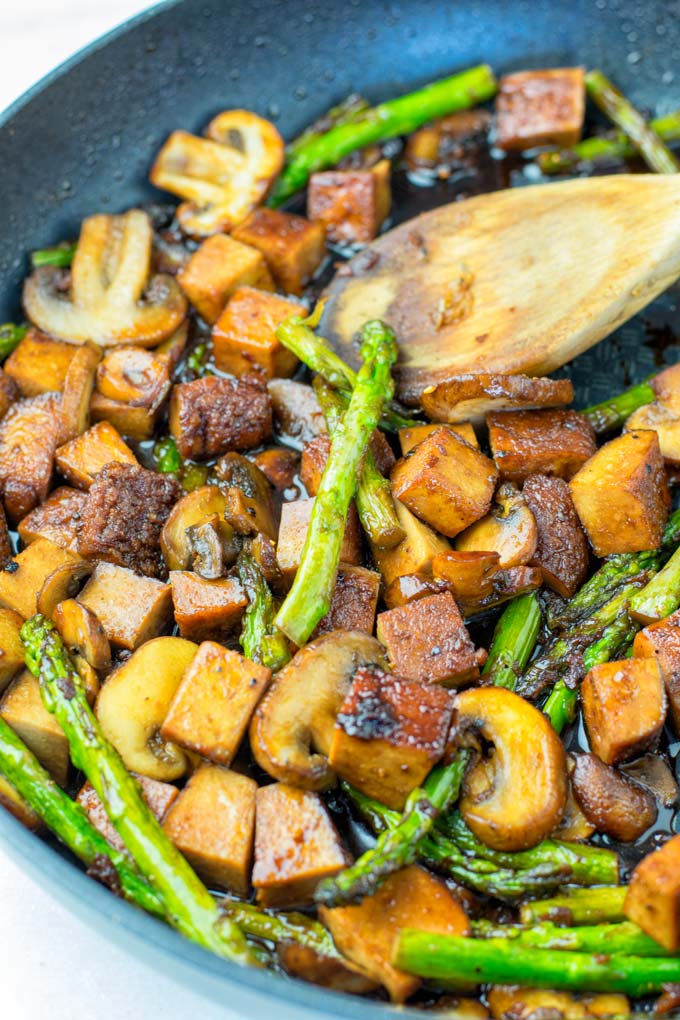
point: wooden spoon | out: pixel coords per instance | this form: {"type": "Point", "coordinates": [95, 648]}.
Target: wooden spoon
{"type": "Point", "coordinates": [517, 281]}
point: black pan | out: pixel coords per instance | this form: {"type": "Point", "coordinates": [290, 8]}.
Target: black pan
{"type": "Point", "coordinates": [82, 141]}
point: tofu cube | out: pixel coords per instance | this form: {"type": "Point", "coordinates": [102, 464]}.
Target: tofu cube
{"type": "Point", "coordinates": [653, 898]}
{"type": "Point", "coordinates": [132, 420]}
{"type": "Point", "coordinates": [415, 552]}
{"type": "Point", "coordinates": [38, 364]}
{"type": "Point", "coordinates": [131, 389]}
{"type": "Point", "coordinates": [159, 796]}
{"type": "Point", "coordinates": [212, 823]}
{"type": "Point", "coordinates": [217, 269]}
{"type": "Point", "coordinates": [353, 602]}
{"type": "Point", "coordinates": [624, 708]}
{"type": "Point", "coordinates": [295, 519]}
{"type": "Point", "coordinates": [84, 457]}
{"type": "Point", "coordinates": [19, 588]}
{"type": "Point", "coordinates": [540, 108]}
{"type": "Point", "coordinates": [427, 641]}
{"type": "Point", "coordinates": [206, 609]}
{"type": "Point", "coordinates": [130, 608]}
{"type": "Point", "coordinates": [524, 443]}
{"type": "Point", "coordinates": [293, 247]}
{"type": "Point", "coordinates": [366, 932]}
{"type": "Point", "coordinates": [296, 845]}
{"type": "Point", "coordinates": [9, 393]}
{"type": "Point", "coordinates": [389, 734]}
{"type": "Point", "coordinates": [214, 702]}
{"type": "Point", "coordinates": [445, 482]}
{"type": "Point", "coordinates": [621, 495]}
{"type": "Point", "coordinates": [352, 204]}
{"type": "Point", "coordinates": [562, 548]}
{"type": "Point", "coordinates": [244, 335]}
{"type": "Point", "coordinates": [661, 641]}
{"type": "Point", "coordinates": [58, 519]}
{"type": "Point", "coordinates": [22, 709]}
{"type": "Point", "coordinates": [414, 434]}
{"type": "Point", "coordinates": [297, 414]}
{"type": "Point", "coordinates": [210, 416]}
{"type": "Point", "coordinates": [11, 646]}
{"type": "Point", "coordinates": [313, 462]}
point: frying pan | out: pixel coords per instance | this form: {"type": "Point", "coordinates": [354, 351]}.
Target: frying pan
{"type": "Point", "coordinates": [82, 140]}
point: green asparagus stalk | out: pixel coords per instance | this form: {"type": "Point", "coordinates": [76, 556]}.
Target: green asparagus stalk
{"type": "Point", "coordinates": [280, 926]}
{"type": "Point", "coordinates": [590, 150]}
{"type": "Point", "coordinates": [578, 906]}
{"type": "Point", "coordinates": [560, 706]}
{"type": "Point", "coordinates": [347, 111]}
{"type": "Point", "coordinates": [167, 458]}
{"type": "Point", "coordinates": [10, 337]}
{"type": "Point", "coordinates": [61, 255]}
{"type": "Point", "coordinates": [613, 413]}
{"type": "Point", "coordinates": [611, 939]}
{"type": "Point", "coordinates": [388, 120]}
{"type": "Point", "coordinates": [375, 504]}
{"type": "Point", "coordinates": [661, 596]}
{"type": "Point", "coordinates": [69, 822]}
{"type": "Point", "coordinates": [309, 598]}
{"type": "Point", "coordinates": [513, 642]}
{"type": "Point", "coordinates": [502, 961]}
{"type": "Point", "coordinates": [188, 905]}
{"type": "Point", "coordinates": [611, 101]}
{"type": "Point", "coordinates": [614, 573]}
{"type": "Point", "coordinates": [197, 361]}
{"type": "Point", "coordinates": [397, 846]}
{"type": "Point", "coordinates": [260, 639]}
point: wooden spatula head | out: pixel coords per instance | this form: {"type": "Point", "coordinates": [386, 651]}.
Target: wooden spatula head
{"type": "Point", "coordinates": [517, 281]}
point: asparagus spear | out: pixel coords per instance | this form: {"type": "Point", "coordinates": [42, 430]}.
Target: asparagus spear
{"type": "Point", "coordinates": [168, 460]}
{"type": "Point", "coordinates": [374, 493]}
{"type": "Point", "coordinates": [502, 961]}
{"type": "Point", "coordinates": [611, 101]}
{"type": "Point", "coordinates": [70, 823]}
{"type": "Point", "coordinates": [197, 361]}
{"type": "Point", "coordinates": [280, 926]}
{"type": "Point", "coordinates": [61, 255]}
{"type": "Point", "coordinates": [188, 905]}
{"type": "Point", "coordinates": [297, 334]}
{"type": "Point", "coordinates": [10, 337]}
{"type": "Point", "coordinates": [557, 161]}
{"type": "Point", "coordinates": [578, 906]}
{"type": "Point", "coordinates": [260, 639]}
{"type": "Point", "coordinates": [613, 413]}
{"type": "Point", "coordinates": [611, 939]}
{"type": "Point", "coordinates": [347, 111]}
{"type": "Point", "coordinates": [387, 120]}
{"type": "Point", "coordinates": [309, 598]}
{"type": "Point", "coordinates": [560, 706]}
{"type": "Point", "coordinates": [397, 846]}
{"type": "Point", "coordinates": [513, 642]}
{"type": "Point", "coordinates": [661, 596]}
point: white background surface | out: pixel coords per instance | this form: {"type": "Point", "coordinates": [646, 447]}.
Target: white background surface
{"type": "Point", "coordinates": [52, 967]}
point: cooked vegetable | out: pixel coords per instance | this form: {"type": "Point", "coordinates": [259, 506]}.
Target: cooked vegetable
{"type": "Point", "coordinates": [616, 805]}
{"type": "Point", "coordinates": [613, 413]}
{"type": "Point", "coordinates": [609, 939]}
{"type": "Point", "coordinates": [578, 906]}
{"type": "Point", "coordinates": [508, 529]}
{"type": "Point", "coordinates": [514, 640]}
{"type": "Point", "coordinates": [469, 397]}
{"type": "Point", "coordinates": [605, 147]}
{"type": "Point", "coordinates": [60, 255]}
{"type": "Point", "coordinates": [415, 553]}
{"type": "Point", "coordinates": [10, 338]}
{"type": "Point", "coordinates": [260, 639]}
{"type": "Point", "coordinates": [661, 596]}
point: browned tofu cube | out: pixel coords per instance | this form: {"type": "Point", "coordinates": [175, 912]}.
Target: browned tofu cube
{"type": "Point", "coordinates": [352, 204]}
{"type": "Point", "coordinates": [212, 823]}
{"type": "Point", "coordinates": [562, 549]}
{"type": "Point", "coordinates": [159, 796]}
{"type": "Point", "coordinates": [296, 845]}
{"type": "Point", "coordinates": [217, 269]}
{"type": "Point", "coordinates": [354, 601]}
{"type": "Point", "coordinates": [214, 702]}
{"type": "Point", "coordinates": [293, 247]}
{"type": "Point", "coordinates": [11, 801]}
{"type": "Point", "coordinates": [527, 443]}
{"type": "Point", "coordinates": [621, 495]}
{"type": "Point", "coordinates": [6, 551]}
{"type": "Point", "coordinates": [662, 641]}
{"type": "Point", "coordinates": [11, 646]}
{"type": "Point", "coordinates": [132, 420]}
{"type": "Point", "coordinates": [131, 388]}
{"type": "Point", "coordinates": [297, 414]}
{"type": "Point", "coordinates": [414, 434]}
{"type": "Point", "coordinates": [653, 898]}
{"type": "Point", "coordinates": [366, 933]}
{"type": "Point", "coordinates": [428, 641]}
{"type": "Point", "coordinates": [313, 462]}
{"type": "Point", "coordinates": [20, 587]}
{"type": "Point", "coordinates": [9, 393]}
{"type": "Point", "coordinates": [389, 734]}
{"type": "Point", "coordinates": [130, 608]}
{"type": "Point", "coordinates": [39, 364]}
{"type": "Point", "coordinates": [540, 108]}
{"type": "Point", "coordinates": [206, 609]}
{"type": "Point", "coordinates": [624, 708]}
{"type": "Point", "coordinates": [445, 481]}
{"type": "Point", "coordinates": [244, 335]}
{"type": "Point", "coordinates": [22, 709]}
{"type": "Point", "coordinates": [280, 467]}
{"type": "Point", "coordinates": [295, 519]}
{"type": "Point", "coordinates": [59, 519]}
{"type": "Point", "coordinates": [415, 552]}
{"type": "Point", "coordinates": [212, 415]}
{"type": "Point", "coordinates": [85, 456]}
{"type": "Point", "coordinates": [30, 433]}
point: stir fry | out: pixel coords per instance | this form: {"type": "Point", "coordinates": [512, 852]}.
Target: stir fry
{"type": "Point", "coordinates": [382, 698]}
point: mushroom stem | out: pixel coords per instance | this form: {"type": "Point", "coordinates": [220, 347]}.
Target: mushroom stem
{"type": "Point", "coordinates": [514, 640]}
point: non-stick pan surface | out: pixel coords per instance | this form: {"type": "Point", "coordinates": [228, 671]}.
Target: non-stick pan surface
{"type": "Point", "coordinates": [83, 139]}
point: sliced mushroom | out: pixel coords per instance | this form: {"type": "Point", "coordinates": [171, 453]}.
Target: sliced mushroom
{"type": "Point", "coordinates": [516, 795]}
{"type": "Point", "coordinates": [615, 804]}
{"type": "Point", "coordinates": [509, 529]}
{"type": "Point", "coordinates": [409, 587]}
{"type": "Point", "coordinates": [134, 702]}
{"type": "Point", "coordinates": [470, 575]}
{"type": "Point", "coordinates": [221, 177]}
{"type": "Point", "coordinates": [195, 508]}
{"type": "Point", "coordinates": [63, 583]}
{"type": "Point", "coordinates": [328, 971]}
{"type": "Point", "coordinates": [248, 496]}
{"type": "Point", "coordinates": [133, 375]}
{"type": "Point", "coordinates": [209, 555]}
{"type": "Point", "coordinates": [469, 397]}
{"type": "Point", "coordinates": [111, 299]}
{"type": "Point", "coordinates": [291, 730]}
{"type": "Point", "coordinates": [89, 677]}
{"type": "Point", "coordinates": [82, 633]}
